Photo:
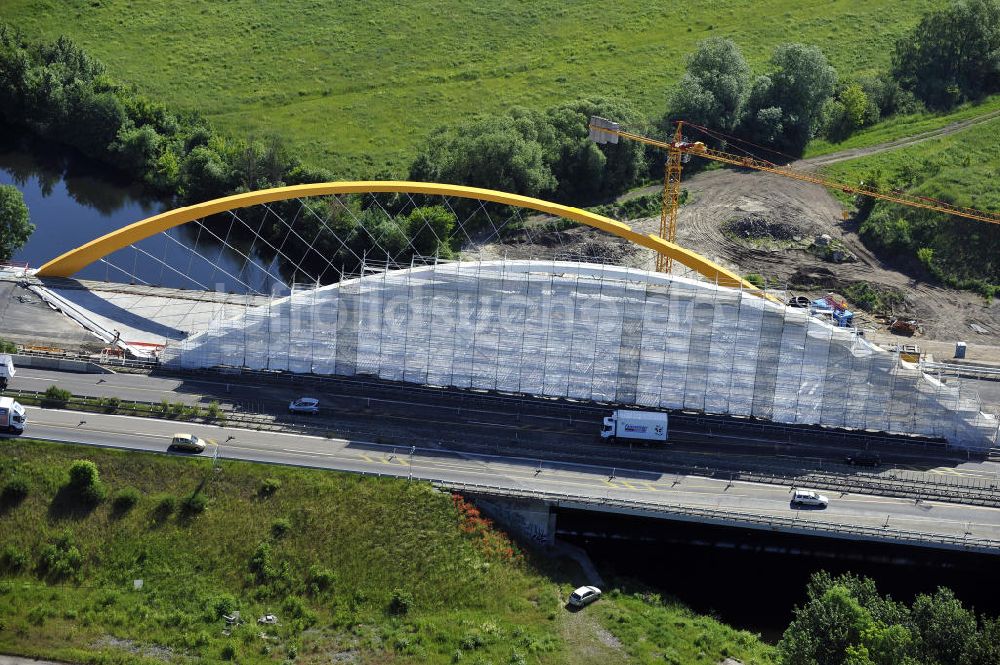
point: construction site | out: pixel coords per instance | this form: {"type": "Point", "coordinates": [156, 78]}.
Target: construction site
{"type": "Point", "coordinates": [649, 323]}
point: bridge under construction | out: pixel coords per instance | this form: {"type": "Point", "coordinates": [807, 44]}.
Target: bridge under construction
{"type": "Point", "coordinates": [705, 341]}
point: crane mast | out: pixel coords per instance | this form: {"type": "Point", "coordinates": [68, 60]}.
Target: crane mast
{"type": "Point", "coordinates": [603, 130]}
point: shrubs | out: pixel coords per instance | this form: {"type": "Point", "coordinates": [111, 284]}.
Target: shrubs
{"type": "Point", "coordinates": [280, 527]}
{"type": "Point", "coordinates": [56, 398]}
{"type": "Point", "coordinates": [85, 483]}
{"type": "Point", "coordinates": [269, 487]}
{"type": "Point", "coordinates": [213, 411]}
{"type": "Point", "coordinates": [13, 559]}
{"type": "Point", "coordinates": [60, 559]}
{"type": "Point", "coordinates": [320, 580]}
{"type": "Point", "coordinates": [109, 404]}
{"type": "Point", "coordinates": [125, 500]}
{"type": "Point", "coordinates": [401, 602]}
{"type": "Point", "coordinates": [14, 492]}
{"type": "Point", "coordinates": [164, 507]}
{"type": "Point", "coordinates": [194, 505]}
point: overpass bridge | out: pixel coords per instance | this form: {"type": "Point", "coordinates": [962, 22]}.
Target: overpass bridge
{"type": "Point", "coordinates": [529, 492]}
{"type": "Point", "coordinates": [706, 340]}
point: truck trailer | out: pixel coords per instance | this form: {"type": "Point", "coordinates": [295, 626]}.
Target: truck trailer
{"type": "Point", "coordinates": [12, 417]}
{"type": "Point", "coordinates": [635, 425]}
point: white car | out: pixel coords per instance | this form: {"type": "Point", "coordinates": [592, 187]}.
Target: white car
{"type": "Point", "coordinates": [585, 595]}
{"type": "Point", "coordinates": [304, 405]}
{"type": "Point", "coordinates": [809, 498]}
{"type": "Point", "coordinates": [188, 442]}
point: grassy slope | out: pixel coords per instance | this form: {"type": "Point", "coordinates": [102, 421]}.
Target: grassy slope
{"type": "Point", "coordinates": [902, 126]}
{"type": "Point", "coordinates": [965, 164]}
{"type": "Point", "coordinates": [355, 85]}
{"type": "Point", "coordinates": [374, 535]}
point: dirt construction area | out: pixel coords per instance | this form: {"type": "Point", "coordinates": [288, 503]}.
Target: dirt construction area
{"type": "Point", "coordinates": [718, 197]}
{"type": "Point", "coordinates": [796, 236]}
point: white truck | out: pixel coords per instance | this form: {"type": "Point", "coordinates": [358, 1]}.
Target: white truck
{"type": "Point", "coordinates": [640, 425]}
{"type": "Point", "coordinates": [7, 370]}
{"type": "Point", "coordinates": [12, 417]}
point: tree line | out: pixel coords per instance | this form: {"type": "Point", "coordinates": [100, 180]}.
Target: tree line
{"type": "Point", "coordinates": [59, 92]}
{"type": "Point", "coordinates": [846, 621]}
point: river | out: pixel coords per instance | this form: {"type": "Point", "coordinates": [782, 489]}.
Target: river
{"type": "Point", "coordinates": [73, 200]}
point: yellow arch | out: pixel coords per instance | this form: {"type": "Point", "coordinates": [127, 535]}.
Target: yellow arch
{"type": "Point", "coordinates": [75, 260]}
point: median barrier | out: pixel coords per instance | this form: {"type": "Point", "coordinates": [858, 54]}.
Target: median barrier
{"type": "Point", "coordinates": [59, 364]}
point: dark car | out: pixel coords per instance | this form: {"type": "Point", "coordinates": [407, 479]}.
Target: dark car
{"type": "Point", "coordinates": [863, 458]}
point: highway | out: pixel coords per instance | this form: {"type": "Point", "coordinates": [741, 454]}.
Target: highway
{"type": "Point", "coordinates": [410, 417]}
{"type": "Point", "coordinates": [586, 482]}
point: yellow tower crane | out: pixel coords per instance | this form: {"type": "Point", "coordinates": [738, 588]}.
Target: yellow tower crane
{"type": "Point", "coordinates": [607, 131]}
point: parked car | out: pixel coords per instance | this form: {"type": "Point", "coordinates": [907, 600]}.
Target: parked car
{"type": "Point", "coordinates": [863, 458]}
{"type": "Point", "coordinates": [809, 498]}
{"type": "Point", "coordinates": [304, 405]}
{"type": "Point", "coordinates": [585, 595]}
{"type": "Point", "coordinates": [188, 442]}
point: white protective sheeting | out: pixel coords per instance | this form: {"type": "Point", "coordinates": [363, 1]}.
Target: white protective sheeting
{"type": "Point", "coordinates": [593, 332]}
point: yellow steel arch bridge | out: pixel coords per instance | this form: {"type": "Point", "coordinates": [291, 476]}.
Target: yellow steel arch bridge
{"type": "Point", "coordinates": [75, 260]}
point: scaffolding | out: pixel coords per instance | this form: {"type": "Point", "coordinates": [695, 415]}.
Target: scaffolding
{"type": "Point", "coordinates": [593, 332]}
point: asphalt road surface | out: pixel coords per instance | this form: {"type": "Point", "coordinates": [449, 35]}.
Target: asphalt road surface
{"type": "Point", "coordinates": [579, 480]}
{"type": "Point", "coordinates": [418, 419]}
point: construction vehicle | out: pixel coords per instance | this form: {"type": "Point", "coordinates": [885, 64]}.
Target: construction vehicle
{"type": "Point", "coordinates": [12, 418]}
{"type": "Point", "coordinates": [603, 130]}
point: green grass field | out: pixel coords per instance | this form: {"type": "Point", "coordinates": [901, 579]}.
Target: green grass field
{"type": "Point", "coordinates": [356, 85]}
{"type": "Point", "coordinates": [965, 165]}
{"type": "Point", "coordinates": [902, 126]}
{"type": "Point", "coordinates": [324, 551]}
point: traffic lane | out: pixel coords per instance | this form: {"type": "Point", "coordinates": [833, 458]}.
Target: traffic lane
{"type": "Point", "coordinates": [577, 480]}
{"type": "Point", "coordinates": [484, 422]}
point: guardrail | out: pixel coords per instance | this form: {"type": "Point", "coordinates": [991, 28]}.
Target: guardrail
{"type": "Point", "coordinates": [890, 486]}
{"type": "Point", "coordinates": [958, 369]}
{"type": "Point", "coordinates": [533, 404]}
{"type": "Point", "coordinates": [898, 483]}
{"type": "Point", "coordinates": [708, 514]}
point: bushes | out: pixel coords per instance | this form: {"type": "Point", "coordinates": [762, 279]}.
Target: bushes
{"type": "Point", "coordinates": [14, 492]}
{"type": "Point", "coordinates": [85, 482]}
{"type": "Point", "coordinates": [269, 487]}
{"type": "Point", "coordinates": [60, 559]}
{"type": "Point", "coordinates": [56, 398]}
{"type": "Point", "coordinates": [401, 602]}
{"type": "Point", "coordinates": [194, 505]}
{"type": "Point", "coordinates": [164, 505]}
{"type": "Point", "coordinates": [125, 500]}
{"type": "Point", "coordinates": [13, 559]}
{"type": "Point", "coordinates": [213, 411]}
{"type": "Point", "coordinates": [280, 527]}
{"type": "Point", "coordinates": [6, 346]}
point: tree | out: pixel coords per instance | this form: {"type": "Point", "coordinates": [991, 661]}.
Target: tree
{"type": "Point", "coordinates": [714, 88]}
{"type": "Point", "coordinates": [828, 630]}
{"type": "Point", "coordinates": [799, 85]}
{"type": "Point", "coordinates": [946, 631]}
{"type": "Point", "coordinates": [585, 171]}
{"type": "Point", "coordinates": [953, 54]}
{"type": "Point", "coordinates": [497, 152]}
{"type": "Point", "coordinates": [15, 229]}
{"type": "Point", "coordinates": [429, 229]}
